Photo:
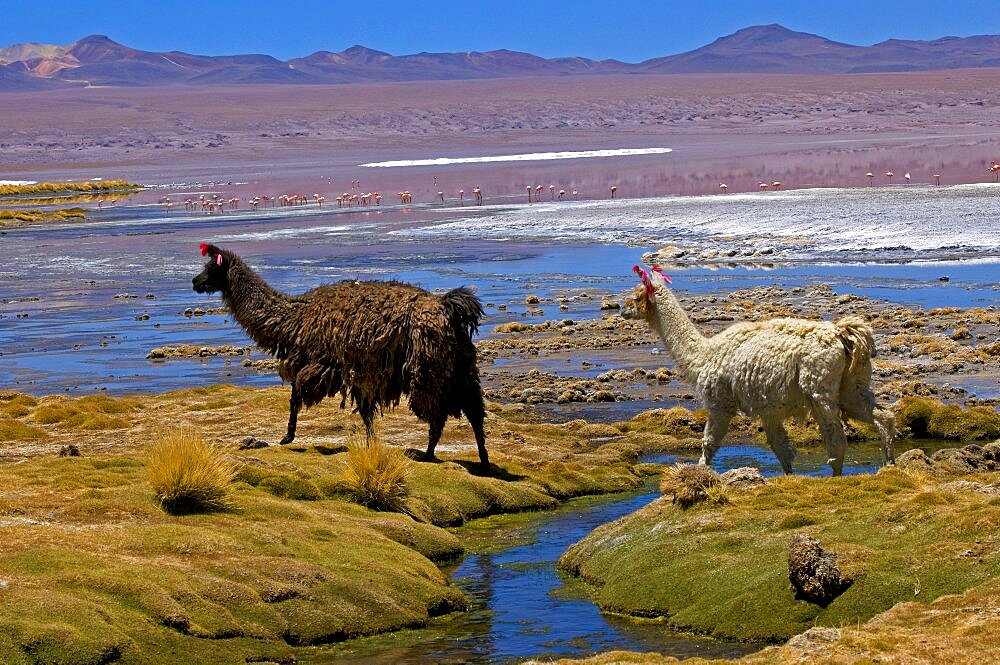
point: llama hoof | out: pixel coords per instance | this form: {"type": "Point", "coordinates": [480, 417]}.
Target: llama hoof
{"type": "Point", "coordinates": [285, 440]}
{"type": "Point", "coordinates": [419, 455]}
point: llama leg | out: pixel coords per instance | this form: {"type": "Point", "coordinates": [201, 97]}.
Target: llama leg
{"type": "Point", "coordinates": [295, 403]}
{"type": "Point", "coordinates": [885, 421]}
{"type": "Point", "coordinates": [777, 438]}
{"type": "Point", "coordinates": [434, 434]}
{"type": "Point", "coordinates": [861, 405]}
{"type": "Point", "coordinates": [715, 430]}
{"type": "Point", "coordinates": [832, 430]}
{"type": "Point", "coordinates": [475, 411]}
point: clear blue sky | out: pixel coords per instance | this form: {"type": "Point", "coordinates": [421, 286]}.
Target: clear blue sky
{"type": "Point", "coordinates": [622, 29]}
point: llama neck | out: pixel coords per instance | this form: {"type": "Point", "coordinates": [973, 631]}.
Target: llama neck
{"type": "Point", "coordinates": [266, 314]}
{"type": "Point", "coordinates": [680, 336]}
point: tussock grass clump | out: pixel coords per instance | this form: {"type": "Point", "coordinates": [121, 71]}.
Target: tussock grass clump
{"type": "Point", "coordinates": [15, 405]}
{"type": "Point", "coordinates": [188, 474]}
{"type": "Point", "coordinates": [689, 484]}
{"type": "Point", "coordinates": [15, 430]}
{"type": "Point", "coordinates": [927, 418]}
{"type": "Point", "coordinates": [94, 412]}
{"type": "Point", "coordinates": [376, 474]}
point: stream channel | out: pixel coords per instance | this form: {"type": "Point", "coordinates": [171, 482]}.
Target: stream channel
{"type": "Point", "coordinates": [523, 607]}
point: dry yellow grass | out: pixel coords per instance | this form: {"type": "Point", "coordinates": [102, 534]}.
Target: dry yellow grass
{"type": "Point", "coordinates": [189, 475]}
{"type": "Point", "coordinates": [57, 187]}
{"type": "Point", "coordinates": [690, 483]}
{"type": "Point", "coordinates": [376, 474]}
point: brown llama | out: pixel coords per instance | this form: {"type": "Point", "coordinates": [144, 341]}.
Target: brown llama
{"type": "Point", "coordinates": [372, 340]}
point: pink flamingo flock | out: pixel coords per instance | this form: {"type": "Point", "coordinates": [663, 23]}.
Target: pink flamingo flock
{"type": "Point", "coordinates": [218, 203]}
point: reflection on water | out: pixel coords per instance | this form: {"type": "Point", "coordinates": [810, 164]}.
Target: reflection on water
{"type": "Point", "coordinates": [524, 607]}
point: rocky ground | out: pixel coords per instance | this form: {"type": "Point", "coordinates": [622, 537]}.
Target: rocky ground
{"type": "Point", "coordinates": [943, 353]}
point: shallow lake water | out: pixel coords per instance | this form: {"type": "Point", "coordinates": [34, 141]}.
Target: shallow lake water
{"type": "Point", "coordinates": [84, 302]}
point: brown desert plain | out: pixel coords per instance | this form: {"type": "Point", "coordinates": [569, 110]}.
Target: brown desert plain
{"type": "Point", "coordinates": [92, 570]}
{"type": "Point", "coordinates": [805, 131]}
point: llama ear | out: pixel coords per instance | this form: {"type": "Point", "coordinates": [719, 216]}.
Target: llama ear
{"type": "Point", "coordinates": [211, 250]}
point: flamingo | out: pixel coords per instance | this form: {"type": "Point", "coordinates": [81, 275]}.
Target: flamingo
{"type": "Point", "coordinates": [441, 196]}
{"type": "Point", "coordinates": [614, 188]}
{"type": "Point", "coordinates": [724, 187]}
{"type": "Point", "coordinates": [776, 185]}
{"type": "Point", "coordinates": [870, 177]}
{"type": "Point", "coordinates": [937, 178]}
{"type": "Point", "coordinates": [479, 195]}
{"type": "Point", "coordinates": [552, 192]}
{"type": "Point", "coordinates": [575, 193]}
{"type": "Point", "coordinates": [461, 196]}
{"type": "Point", "coordinates": [906, 177]}
{"type": "Point", "coordinates": [763, 186]}
{"type": "Point", "coordinates": [995, 170]}
{"type": "Point", "coordinates": [538, 193]}
{"type": "Point", "coordinates": [529, 193]}
{"type": "Point", "coordinates": [562, 193]}
{"type": "Point", "coordinates": [889, 174]}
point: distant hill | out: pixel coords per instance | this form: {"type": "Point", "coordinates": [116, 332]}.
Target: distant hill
{"type": "Point", "coordinates": [770, 49]}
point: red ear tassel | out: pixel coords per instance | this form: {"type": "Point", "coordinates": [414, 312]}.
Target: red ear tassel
{"type": "Point", "coordinates": [204, 249]}
{"type": "Point", "coordinates": [666, 277]}
{"type": "Point", "coordinates": [645, 280]}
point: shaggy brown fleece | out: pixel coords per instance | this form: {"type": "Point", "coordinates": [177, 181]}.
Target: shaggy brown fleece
{"type": "Point", "coordinates": [372, 341]}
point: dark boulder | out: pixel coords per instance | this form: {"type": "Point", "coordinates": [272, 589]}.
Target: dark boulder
{"type": "Point", "coordinates": [814, 573]}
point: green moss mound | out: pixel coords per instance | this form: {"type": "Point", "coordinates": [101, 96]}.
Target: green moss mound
{"type": "Point", "coordinates": [924, 418]}
{"type": "Point", "coordinates": [722, 569]}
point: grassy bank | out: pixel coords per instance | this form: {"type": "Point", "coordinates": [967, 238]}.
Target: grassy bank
{"type": "Point", "coordinates": [722, 569]}
{"type": "Point", "coordinates": [92, 570]}
{"type": "Point", "coordinates": [51, 188]}
{"type": "Point", "coordinates": [8, 217]}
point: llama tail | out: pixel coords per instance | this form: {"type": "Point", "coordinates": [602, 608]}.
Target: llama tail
{"type": "Point", "coordinates": [859, 344]}
{"type": "Point", "coordinates": [464, 309]}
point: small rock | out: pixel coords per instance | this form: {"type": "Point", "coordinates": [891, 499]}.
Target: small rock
{"type": "Point", "coordinates": [609, 304]}
{"type": "Point", "coordinates": [917, 460]}
{"type": "Point", "coordinates": [532, 299]}
{"type": "Point", "coordinates": [69, 451]}
{"type": "Point", "coordinates": [251, 443]}
{"type": "Point", "coordinates": [813, 638]}
{"type": "Point", "coordinates": [743, 477]}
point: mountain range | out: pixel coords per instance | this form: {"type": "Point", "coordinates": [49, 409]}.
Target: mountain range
{"type": "Point", "coordinates": [769, 49]}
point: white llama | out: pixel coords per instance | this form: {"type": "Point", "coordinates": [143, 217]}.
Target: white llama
{"type": "Point", "coordinates": [772, 369]}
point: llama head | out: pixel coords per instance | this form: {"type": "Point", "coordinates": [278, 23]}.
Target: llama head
{"type": "Point", "coordinates": [215, 276]}
{"type": "Point", "coordinates": [641, 303]}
